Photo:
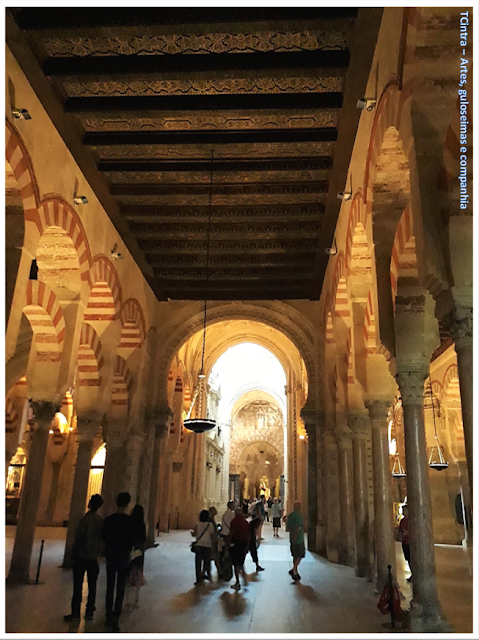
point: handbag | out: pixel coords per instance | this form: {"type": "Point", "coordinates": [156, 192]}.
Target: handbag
{"type": "Point", "coordinates": [193, 545]}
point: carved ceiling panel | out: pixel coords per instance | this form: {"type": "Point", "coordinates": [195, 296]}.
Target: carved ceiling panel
{"type": "Point", "coordinates": [150, 92]}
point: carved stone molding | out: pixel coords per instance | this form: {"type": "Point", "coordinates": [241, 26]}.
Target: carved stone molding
{"type": "Point", "coordinates": [411, 385]}
{"type": "Point", "coordinates": [461, 326]}
{"type": "Point", "coordinates": [360, 425]}
{"type": "Point", "coordinates": [44, 412]}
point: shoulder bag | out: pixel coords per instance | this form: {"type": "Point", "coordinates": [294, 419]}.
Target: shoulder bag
{"type": "Point", "coordinates": [193, 545]}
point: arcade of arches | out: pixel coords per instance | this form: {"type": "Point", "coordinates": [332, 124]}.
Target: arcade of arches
{"type": "Point", "coordinates": [101, 374]}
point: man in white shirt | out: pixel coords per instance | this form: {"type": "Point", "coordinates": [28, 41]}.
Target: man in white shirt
{"type": "Point", "coordinates": [226, 519]}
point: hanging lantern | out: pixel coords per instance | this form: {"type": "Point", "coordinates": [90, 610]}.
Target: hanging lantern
{"type": "Point", "coordinates": [398, 470]}
{"type": "Point", "coordinates": [436, 455]}
{"type": "Point", "coordinates": [200, 425]}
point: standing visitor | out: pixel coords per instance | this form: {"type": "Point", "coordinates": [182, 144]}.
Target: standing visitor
{"type": "Point", "coordinates": [253, 548]}
{"type": "Point", "coordinates": [258, 511]}
{"type": "Point", "coordinates": [137, 558]}
{"type": "Point", "coordinates": [404, 537]}
{"type": "Point", "coordinates": [86, 550]}
{"type": "Point", "coordinates": [266, 510]}
{"type": "Point", "coordinates": [203, 531]}
{"type": "Point", "coordinates": [295, 526]}
{"type": "Point", "coordinates": [215, 555]}
{"type": "Point", "coordinates": [238, 540]}
{"type": "Point", "coordinates": [118, 534]}
{"type": "Point", "coordinates": [276, 513]}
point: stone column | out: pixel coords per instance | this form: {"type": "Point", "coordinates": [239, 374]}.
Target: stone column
{"type": "Point", "coordinates": [87, 428]}
{"type": "Point", "coordinates": [161, 422]}
{"type": "Point", "coordinates": [331, 491]}
{"type": "Point", "coordinates": [134, 446]}
{"type": "Point", "coordinates": [44, 412]}
{"type": "Point", "coordinates": [113, 471]}
{"type": "Point", "coordinates": [461, 331]}
{"type": "Point", "coordinates": [360, 429]}
{"type": "Point", "coordinates": [426, 613]}
{"type": "Point", "coordinates": [383, 507]}
{"type": "Point", "coordinates": [311, 424]}
{"type": "Point", "coordinates": [346, 501]}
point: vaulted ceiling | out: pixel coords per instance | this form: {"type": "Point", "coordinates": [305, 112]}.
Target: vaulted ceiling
{"type": "Point", "coordinates": [154, 103]}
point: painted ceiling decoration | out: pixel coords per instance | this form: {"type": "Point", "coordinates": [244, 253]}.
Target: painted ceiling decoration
{"type": "Point", "coordinates": [142, 95]}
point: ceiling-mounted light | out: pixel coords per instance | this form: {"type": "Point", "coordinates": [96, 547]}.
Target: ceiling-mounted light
{"type": "Point", "coordinates": [436, 456]}
{"type": "Point", "coordinates": [21, 114]}
{"type": "Point", "coordinates": [366, 103]}
{"type": "Point", "coordinates": [200, 425]}
{"type": "Point", "coordinates": [80, 200]}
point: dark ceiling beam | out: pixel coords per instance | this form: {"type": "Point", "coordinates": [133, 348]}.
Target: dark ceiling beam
{"type": "Point", "coordinates": [244, 136]}
{"type": "Point", "coordinates": [73, 18]}
{"type": "Point", "coordinates": [85, 161]}
{"type": "Point", "coordinates": [267, 164]}
{"type": "Point", "coordinates": [229, 247]}
{"type": "Point", "coordinates": [240, 101]}
{"type": "Point", "coordinates": [362, 54]}
{"type": "Point", "coordinates": [265, 188]}
{"type": "Point", "coordinates": [325, 62]}
{"type": "Point", "coordinates": [299, 261]}
{"type": "Point", "coordinates": [253, 232]}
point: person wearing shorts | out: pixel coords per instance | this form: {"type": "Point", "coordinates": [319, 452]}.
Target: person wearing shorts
{"type": "Point", "coordinates": [238, 540]}
{"type": "Point", "coordinates": [295, 526]}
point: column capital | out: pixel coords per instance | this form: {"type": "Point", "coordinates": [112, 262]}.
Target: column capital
{"type": "Point", "coordinates": [461, 326]}
{"type": "Point", "coordinates": [360, 424]}
{"type": "Point", "coordinates": [88, 424]}
{"type": "Point", "coordinates": [344, 437]}
{"type": "Point", "coordinates": [160, 420]}
{"type": "Point", "coordinates": [44, 412]}
{"type": "Point", "coordinates": [378, 409]}
{"type": "Point", "coordinates": [411, 384]}
{"type": "Point", "coordinates": [312, 420]}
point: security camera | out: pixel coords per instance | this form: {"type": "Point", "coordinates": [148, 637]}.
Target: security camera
{"type": "Point", "coordinates": [344, 195]}
{"type": "Point", "coordinates": [80, 200]}
{"type": "Point", "coordinates": [366, 103]}
{"type": "Point", "coordinates": [21, 114]}
{"type": "Point", "coordinates": [116, 255]}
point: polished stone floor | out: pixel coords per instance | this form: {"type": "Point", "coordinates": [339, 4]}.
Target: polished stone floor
{"type": "Point", "coordinates": [329, 598]}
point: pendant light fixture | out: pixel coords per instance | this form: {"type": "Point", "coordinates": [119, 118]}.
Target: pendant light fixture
{"type": "Point", "coordinates": [200, 424]}
{"type": "Point", "coordinates": [436, 456]}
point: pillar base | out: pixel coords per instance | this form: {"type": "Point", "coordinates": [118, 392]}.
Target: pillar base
{"type": "Point", "coordinates": [427, 621]}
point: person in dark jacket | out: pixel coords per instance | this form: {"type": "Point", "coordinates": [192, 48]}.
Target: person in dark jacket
{"type": "Point", "coordinates": [119, 536]}
{"type": "Point", "coordinates": [253, 548]}
{"type": "Point", "coordinates": [86, 550]}
{"type": "Point", "coordinates": [137, 561]}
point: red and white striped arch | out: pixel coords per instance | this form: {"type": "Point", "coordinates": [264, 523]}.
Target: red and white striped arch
{"type": "Point", "coordinates": [357, 215]}
{"type": "Point", "coordinates": [104, 303]}
{"type": "Point", "coordinates": [403, 256]}
{"type": "Point", "coordinates": [121, 387]}
{"type": "Point", "coordinates": [90, 358]}
{"type": "Point", "coordinates": [340, 290]}
{"type": "Point", "coordinates": [369, 326]}
{"type": "Point", "coordinates": [17, 157]}
{"type": "Point", "coordinates": [349, 353]}
{"type": "Point", "coordinates": [46, 319]}
{"type": "Point", "coordinates": [133, 321]}
{"type": "Point", "coordinates": [56, 212]}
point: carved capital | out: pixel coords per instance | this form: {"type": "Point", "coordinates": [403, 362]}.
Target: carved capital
{"type": "Point", "coordinates": [411, 385]}
{"type": "Point", "coordinates": [378, 411]}
{"type": "Point", "coordinates": [360, 425]}
{"type": "Point", "coordinates": [88, 425]}
{"type": "Point", "coordinates": [312, 420]}
{"type": "Point", "coordinates": [344, 437]}
{"type": "Point", "coordinates": [461, 326]}
{"type": "Point", "coordinates": [44, 412]}
{"type": "Point", "coordinates": [161, 420]}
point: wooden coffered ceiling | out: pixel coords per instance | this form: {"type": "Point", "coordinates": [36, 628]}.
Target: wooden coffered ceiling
{"type": "Point", "coordinates": [142, 96]}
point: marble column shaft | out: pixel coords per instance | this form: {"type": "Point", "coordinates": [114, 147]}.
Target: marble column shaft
{"type": "Point", "coordinates": [425, 607]}
{"type": "Point", "coordinates": [360, 427]}
{"type": "Point", "coordinates": [383, 507]}
{"type": "Point", "coordinates": [161, 427]}
{"type": "Point", "coordinates": [312, 485]}
{"type": "Point", "coordinates": [346, 499]}
{"type": "Point", "coordinates": [462, 333]}
{"type": "Point", "coordinates": [134, 446]}
{"type": "Point", "coordinates": [87, 427]}
{"type": "Point", "coordinates": [113, 472]}
{"type": "Point", "coordinates": [31, 490]}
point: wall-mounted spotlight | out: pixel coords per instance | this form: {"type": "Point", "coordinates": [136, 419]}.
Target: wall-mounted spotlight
{"type": "Point", "coordinates": [115, 254]}
{"type": "Point", "coordinates": [332, 251]}
{"type": "Point", "coordinates": [366, 103]}
{"type": "Point", "coordinates": [344, 195]}
{"type": "Point", "coordinates": [80, 200]}
{"type": "Point", "coordinates": [302, 437]}
{"type": "Point", "coordinates": [21, 114]}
